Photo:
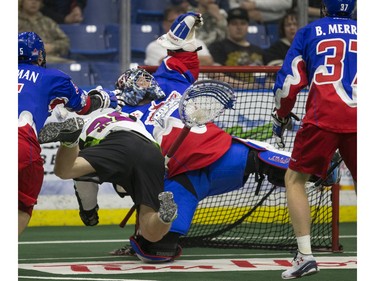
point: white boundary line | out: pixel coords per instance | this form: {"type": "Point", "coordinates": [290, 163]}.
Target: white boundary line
{"type": "Point", "coordinates": [78, 278]}
{"type": "Point", "coordinates": [109, 241]}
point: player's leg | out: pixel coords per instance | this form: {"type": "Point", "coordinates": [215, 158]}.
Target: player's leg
{"type": "Point", "coordinates": [298, 204]}
{"type": "Point", "coordinates": [348, 151]}
{"type": "Point", "coordinates": [23, 221]}
{"type": "Point", "coordinates": [87, 196]}
{"type": "Point", "coordinates": [312, 152]}
{"type": "Point", "coordinates": [167, 249]}
{"type": "Point", "coordinates": [69, 166]}
{"type": "Point", "coordinates": [30, 175]}
{"type": "Point", "coordinates": [154, 225]}
{"type": "Point", "coordinates": [299, 211]}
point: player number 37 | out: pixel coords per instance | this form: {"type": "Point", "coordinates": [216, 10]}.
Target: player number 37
{"type": "Point", "coordinates": [334, 60]}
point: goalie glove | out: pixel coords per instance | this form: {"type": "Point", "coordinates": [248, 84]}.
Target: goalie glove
{"type": "Point", "coordinates": [279, 125]}
{"type": "Point", "coordinates": [181, 35]}
{"type": "Point", "coordinates": [113, 99]}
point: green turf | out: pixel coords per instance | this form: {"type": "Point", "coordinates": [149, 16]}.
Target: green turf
{"type": "Point", "coordinates": [98, 251]}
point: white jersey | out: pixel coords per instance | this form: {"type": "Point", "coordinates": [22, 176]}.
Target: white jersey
{"type": "Point", "coordinates": [98, 127]}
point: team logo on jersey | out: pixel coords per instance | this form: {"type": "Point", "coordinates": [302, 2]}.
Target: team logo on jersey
{"type": "Point", "coordinates": [34, 52]}
{"type": "Point", "coordinates": [137, 114]}
{"type": "Point", "coordinates": [158, 112]}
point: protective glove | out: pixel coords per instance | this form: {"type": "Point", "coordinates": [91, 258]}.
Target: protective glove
{"type": "Point", "coordinates": [120, 99]}
{"type": "Point", "coordinates": [90, 217]}
{"type": "Point", "coordinates": [107, 98]}
{"type": "Point", "coordinates": [279, 125]}
{"type": "Point", "coordinates": [182, 33]}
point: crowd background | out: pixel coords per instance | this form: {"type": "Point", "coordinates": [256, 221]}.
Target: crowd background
{"type": "Point", "coordinates": [96, 45]}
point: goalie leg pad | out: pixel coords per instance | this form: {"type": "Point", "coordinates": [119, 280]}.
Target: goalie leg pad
{"type": "Point", "coordinates": [165, 250]}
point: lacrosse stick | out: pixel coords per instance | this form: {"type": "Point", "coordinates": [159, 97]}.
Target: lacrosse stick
{"type": "Point", "coordinates": [200, 104]}
{"type": "Point", "coordinates": [310, 186]}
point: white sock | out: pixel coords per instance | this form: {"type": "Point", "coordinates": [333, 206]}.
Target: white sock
{"type": "Point", "coordinates": [304, 245]}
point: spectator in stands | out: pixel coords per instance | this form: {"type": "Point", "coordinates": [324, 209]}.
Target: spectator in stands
{"type": "Point", "coordinates": [261, 11]}
{"type": "Point", "coordinates": [276, 53]}
{"type": "Point", "coordinates": [314, 9]}
{"type": "Point", "coordinates": [235, 49]}
{"type": "Point", "coordinates": [187, 4]}
{"type": "Point", "coordinates": [64, 11]}
{"type": "Point", "coordinates": [155, 53]}
{"type": "Point", "coordinates": [183, 4]}
{"type": "Point", "coordinates": [215, 22]}
{"type": "Point", "coordinates": [56, 42]}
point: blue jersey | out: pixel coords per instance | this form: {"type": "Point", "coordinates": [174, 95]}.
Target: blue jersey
{"type": "Point", "coordinates": [41, 89]}
{"type": "Point", "coordinates": [323, 56]}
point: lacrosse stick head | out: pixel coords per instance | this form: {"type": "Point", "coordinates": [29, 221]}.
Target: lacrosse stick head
{"type": "Point", "coordinates": [204, 101]}
{"type": "Point", "coordinates": [137, 84]}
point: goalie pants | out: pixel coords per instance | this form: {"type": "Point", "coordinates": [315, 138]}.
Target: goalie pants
{"type": "Point", "coordinates": [224, 175]}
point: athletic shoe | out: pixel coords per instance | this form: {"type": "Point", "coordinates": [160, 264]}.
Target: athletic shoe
{"type": "Point", "coordinates": [123, 251]}
{"type": "Point", "coordinates": [67, 131]}
{"type": "Point", "coordinates": [168, 208]}
{"type": "Point", "coordinates": [302, 265]}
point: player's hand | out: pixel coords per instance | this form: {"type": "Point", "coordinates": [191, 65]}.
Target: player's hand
{"type": "Point", "coordinates": [91, 217]}
{"type": "Point", "coordinates": [279, 125]}
{"type": "Point", "coordinates": [181, 35]}
{"type": "Point", "coordinates": [107, 98]}
{"type": "Point", "coordinates": [190, 19]}
{"type": "Point", "coordinates": [120, 99]}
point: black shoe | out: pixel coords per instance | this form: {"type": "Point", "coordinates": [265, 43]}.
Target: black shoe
{"type": "Point", "coordinates": [67, 131]}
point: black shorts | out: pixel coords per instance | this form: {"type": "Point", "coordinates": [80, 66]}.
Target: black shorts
{"type": "Point", "coordinates": [128, 160]}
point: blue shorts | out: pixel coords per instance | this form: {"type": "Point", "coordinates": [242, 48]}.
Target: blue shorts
{"type": "Point", "coordinates": [224, 175]}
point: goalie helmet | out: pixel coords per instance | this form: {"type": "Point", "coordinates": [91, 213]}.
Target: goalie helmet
{"type": "Point", "coordinates": [31, 48]}
{"type": "Point", "coordinates": [137, 85]}
{"type": "Point", "coordinates": [339, 8]}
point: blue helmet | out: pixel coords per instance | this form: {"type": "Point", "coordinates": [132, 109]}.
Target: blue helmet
{"type": "Point", "coordinates": [339, 8]}
{"type": "Point", "coordinates": [137, 85]}
{"type": "Point", "coordinates": [31, 48]}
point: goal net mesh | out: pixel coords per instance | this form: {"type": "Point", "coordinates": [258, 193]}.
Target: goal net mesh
{"type": "Point", "coordinates": [257, 216]}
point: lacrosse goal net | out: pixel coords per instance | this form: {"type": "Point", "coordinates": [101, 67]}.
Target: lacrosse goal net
{"type": "Point", "coordinates": [256, 217]}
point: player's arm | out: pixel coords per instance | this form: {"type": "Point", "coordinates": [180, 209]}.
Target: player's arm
{"type": "Point", "coordinates": [64, 91]}
{"type": "Point", "coordinates": [68, 165]}
{"type": "Point", "coordinates": [181, 45]}
{"type": "Point", "coordinates": [291, 78]}
{"type": "Point", "coordinates": [101, 98]}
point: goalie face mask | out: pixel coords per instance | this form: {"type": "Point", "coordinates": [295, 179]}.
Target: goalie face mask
{"type": "Point", "coordinates": [137, 85]}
